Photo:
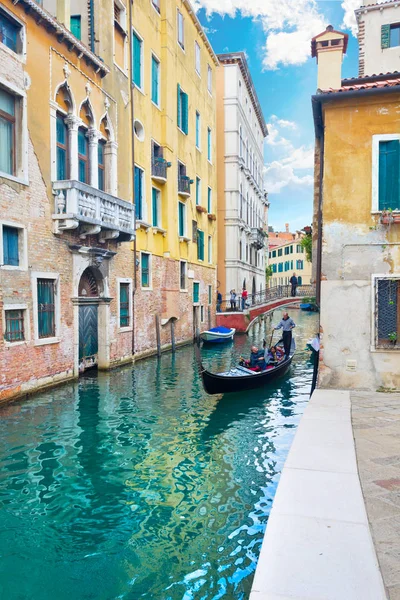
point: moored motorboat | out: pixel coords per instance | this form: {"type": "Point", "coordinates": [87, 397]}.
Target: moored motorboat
{"type": "Point", "coordinates": [240, 378]}
{"type": "Point", "coordinates": [218, 335]}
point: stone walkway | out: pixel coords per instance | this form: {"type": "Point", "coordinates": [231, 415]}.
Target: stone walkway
{"type": "Point", "coordinates": [376, 427]}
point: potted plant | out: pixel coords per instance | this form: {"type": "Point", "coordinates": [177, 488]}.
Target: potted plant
{"type": "Point", "coordinates": [212, 217]}
{"type": "Point", "coordinates": [393, 337]}
{"type": "Point", "coordinates": [200, 208]}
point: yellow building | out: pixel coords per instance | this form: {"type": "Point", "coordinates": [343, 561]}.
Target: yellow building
{"type": "Point", "coordinates": [174, 73]}
{"type": "Point", "coordinates": [286, 258]}
{"type": "Point", "coordinates": [357, 210]}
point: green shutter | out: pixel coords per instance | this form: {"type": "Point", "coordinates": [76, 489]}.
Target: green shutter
{"type": "Point", "coordinates": [389, 189]}
{"type": "Point", "coordinates": [209, 201]}
{"type": "Point", "coordinates": [137, 60]}
{"type": "Point", "coordinates": [385, 36]}
{"type": "Point", "coordinates": [196, 292]}
{"type": "Point", "coordinates": [75, 26]}
{"type": "Point", "coordinates": [197, 191]}
{"type": "Point", "coordinates": [154, 80]}
{"type": "Point", "coordinates": [10, 246]}
{"type": "Point", "coordinates": [138, 194]}
{"type": "Point", "coordinates": [200, 244]}
{"type": "Point", "coordinates": [185, 113]}
{"type": "Point", "coordinates": [155, 207]}
{"type": "Point", "coordinates": [181, 227]}
{"type": "Point", "coordinates": [179, 118]}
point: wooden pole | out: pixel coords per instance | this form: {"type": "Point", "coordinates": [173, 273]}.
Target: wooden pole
{"type": "Point", "coordinates": [158, 335]}
{"type": "Point", "coordinates": [173, 336]}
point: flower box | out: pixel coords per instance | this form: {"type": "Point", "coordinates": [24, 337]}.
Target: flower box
{"type": "Point", "coordinates": [200, 209]}
{"type": "Point", "coordinates": [388, 217]}
{"type": "Point", "coordinates": [212, 217]}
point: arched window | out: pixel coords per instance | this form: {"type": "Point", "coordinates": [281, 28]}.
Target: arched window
{"type": "Point", "coordinates": [85, 159]}
{"type": "Point", "coordinates": [65, 106]}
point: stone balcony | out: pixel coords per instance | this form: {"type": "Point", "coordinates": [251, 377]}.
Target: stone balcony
{"type": "Point", "coordinates": [78, 205]}
{"type": "Point", "coordinates": [184, 183]}
{"type": "Point", "coordinates": [257, 237]}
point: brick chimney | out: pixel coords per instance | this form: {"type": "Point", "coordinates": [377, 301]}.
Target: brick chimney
{"type": "Point", "coordinates": [328, 48]}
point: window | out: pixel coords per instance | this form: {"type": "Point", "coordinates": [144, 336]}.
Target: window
{"type": "Point", "coordinates": [198, 191]}
{"type": "Point", "coordinates": [196, 292]}
{"type": "Point", "coordinates": [183, 110]}
{"type": "Point", "coordinates": [75, 26]}
{"type": "Point", "coordinates": [209, 79]}
{"type": "Point", "coordinates": [209, 144]}
{"type": "Point", "coordinates": [46, 308]}
{"type": "Point", "coordinates": [145, 269]}
{"type": "Point", "coordinates": [389, 175]}
{"type": "Point", "coordinates": [7, 132]}
{"type": "Point", "coordinates": [201, 314]}
{"type": "Point", "coordinates": [200, 244]}
{"type": "Point", "coordinates": [395, 35]}
{"type": "Point", "coordinates": [181, 219]}
{"type": "Point", "coordinates": [209, 200]}
{"type": "Point", "coordinates": [62, 148]}
{"type": "Point", "coordinates": [273, 253]}
{"type": "Point", "coordinates": [287, 250]}
{"type": "Point", "coordinates": [182, 275]}
{"type": "Point", "coordinates": [156, 207]}
{"type": "Point", "coordinates": [387, 306]}
{"type": "Point", "coordinates": [156, 4]}
{"type": "Point", "coordinates": [280, 252]}
{"type": "Point", "coordinates": [155, 77]}
{"type": "Point", "coordinates": [14, 331]}
{"type": "Point", "coordinates": [210, 294]}
{"type": "Point", "coordinates": [9, 32]}
{"type": "Point", "coordinates": [274, 268]}
{"type": "Point", "coordinates": [299, 249]}
{"type": "Point", "coordinates": [100, 158]}
{"type": "Point", "coordinates": [139, 200]}
{"type": "Point", "coordinates": [181, 30]}
{"type": "Point", "coordinates": [137, 59]}
{"type": "Point", "coordinates": [197, 130]}
{"type": "Point", "coordinates": [291, 249]}
{"type": "Point", "coordinates": [299, 265]}
{"type": "Point", "coordinates": [209, 249]}
{"type": "Point", "coordinates": [240, 141]}
{"type": "Point", "coordinates": [197, 57]}
{"type": "Point", "coordinates": [10, 246]}
{"type": "Point", "coordinates": [83, 156]}
{"type": "Point", "coordinates": [124, 317]}
{"type": "Point", "coordinates": [280, 268]}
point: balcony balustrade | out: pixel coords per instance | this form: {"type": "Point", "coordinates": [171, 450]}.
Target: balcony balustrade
{"type": "Point", "coordinates": [93, 211]}
{"type": "Point", "coordinates": [184, 183]}
{"type": "Point", "coordinates": [159, 168]}
{"type": "Point", "coordinates": [257, 237]}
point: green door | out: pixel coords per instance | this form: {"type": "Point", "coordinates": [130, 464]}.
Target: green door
{"type": "Point", "coordinates": [88, 333]}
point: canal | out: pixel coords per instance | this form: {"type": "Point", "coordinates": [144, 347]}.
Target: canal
{"type": "Point", "coordinates": [136, 484]}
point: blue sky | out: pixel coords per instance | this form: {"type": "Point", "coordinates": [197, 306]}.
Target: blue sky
{"type": "Point", "coordinates": [276, 35]}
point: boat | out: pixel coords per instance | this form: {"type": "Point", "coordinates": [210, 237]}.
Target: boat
{"type": "Point", "coordinates": [309, 307]}
{"type": "Point", "coordinates": [240, 378]}
{"type": "Point", "coordinates": [218, 335]}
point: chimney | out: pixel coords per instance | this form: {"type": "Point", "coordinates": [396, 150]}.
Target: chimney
{"type": "Point", "coordinates": [329, 47]}
{"type": "Point", "coordinates": [287, 227]}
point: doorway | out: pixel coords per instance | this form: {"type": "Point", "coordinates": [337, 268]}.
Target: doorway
{"type": "Point", "coordinates": [88, 321]}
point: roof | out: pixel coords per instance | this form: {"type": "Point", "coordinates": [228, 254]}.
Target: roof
{"type": "Point", "coordinates": [239, 58]}
{"type": "Point", "coordinates": [63, 34]}
{"type": "Point", "coordinates": [329, 29]}
{"type": "Point", "coordinates": [200, 30]}
{"type": "Point", "coordinates": [373, 82]}
{"type": "Point", "coordinates": [375, 6]}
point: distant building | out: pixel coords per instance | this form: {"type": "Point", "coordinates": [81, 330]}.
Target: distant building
{"type": "Point", "coordinates": [275, 238]}
{"type": "Point", "coordinates": [242, 200]}
{"type": "Point", "coordinates": [286, 258]}
{"type": "Point", "coordinates": [357, 205]}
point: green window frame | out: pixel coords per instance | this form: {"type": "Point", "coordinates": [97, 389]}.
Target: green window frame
{"type": "Point", "coordinates": [198, 191]}
{"type": "Point", "coordinates": [196, 292]}
{"type": "Point", "coordinates": [273, 253]}
{"type": "Point", "coordinates": [7, 132]}
{"type": "Point", "coordinates": [197, 130]}
{"type": "Point", "coordinates": [14, 331]}
{"type": "Point", "coordinates": [209, 200]}
{"type": "Point", "coordinates": [137, 59]}
{"type": "Point", "coordinates": [200, 244]}
{"type": "Point", "coordinates": [145, 269]}
{"type": "Point", "coordinates": [389, 174]}
{"type": "Point", "coordinates": [155, 80]}
{"type": "Point", "coordinates": [208, 144]}
{"type": "Point", "coordinates": [76, 26]}
{"type": "Point", "coordinates": [46, 308]}
{"type": "Point", "coordinates": [100, 164]}
{"type": "Point", "coordinates": [155, 201]}
{"type": "Point", "coordinates": [124, 317]}
{"type": "Point", "coordinates": [10, 246]}
{"type": "Point", "coordinates": [62, 148]}
{"type": "Point", "coordinates": [280, 252]}
{"type": "Point", "coordinates": [139, 193]}
{"type": "Point", "coordinates": [183, 111]}
{"type": "Point", "coordinates": [9, 32]}
{"type": "Point", "coordinates": [83, 156]}
{"type": "Point", "coordinates": [181, 219]}
{"type": "Point", "coordinates": [209, 249]}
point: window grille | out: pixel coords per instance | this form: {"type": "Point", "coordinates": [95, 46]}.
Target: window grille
{"type": "Point", "coordinates": [183, 276]}
{"type": "Point", "coordinates": [14, 326]}
{"type": "Point", "coordinates": [387, 313]}
{"type": "Point", "coordinates": [124, 305]}
{"type": "Point", "coordinates": [46, 308]}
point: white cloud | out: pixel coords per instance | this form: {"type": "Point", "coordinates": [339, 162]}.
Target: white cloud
{"type": "Point", "coordinates": [300, 158]}
{"type": "Point", "coordinates": [289, 25]}
{"type": "Point", "coordinates": [283, 122]}
{"type": "Point", "coordinates": [279, 175]}
{"type": "Point", "coordinates": [274, 137]}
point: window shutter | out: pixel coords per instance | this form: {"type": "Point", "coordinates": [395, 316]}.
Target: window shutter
{"type": "Point", "coordinates": [137, 61]}
{"type": "Point", "coordinates": [181, 220]}
{"type": "Point", "coordinates": [185, 113]}
{"type": "Point", "coordinates": [389, 189]}
{"type": "Point", "coordinates": [10, 246]}
{"type": "Point", "coordinates": [154, 80]}
{"type": "Point", "coordinates": [138, 193]}
{"type": "Point", "coordinates": [385, 36]}
{"type": "Point", "coordinates": [155, 208]}
{"type": "Point", "coordinates": [179, 106]}
{"type": "Point", "coordinates": [200, 244]}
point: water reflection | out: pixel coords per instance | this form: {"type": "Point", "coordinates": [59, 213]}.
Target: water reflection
{"type": "Point", "coordinates": [136, 484]}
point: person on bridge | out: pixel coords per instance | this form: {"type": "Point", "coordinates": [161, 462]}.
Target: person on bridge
{"type": "Point", "coordinates": [286, 324]}
{"type": "Point", "coordinates": [244, 298]}
{"type": "Point", "coordinates": [294, 283]}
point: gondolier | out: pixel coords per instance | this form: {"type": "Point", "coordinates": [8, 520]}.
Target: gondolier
{"type": "Point", "coordinates": [287, 324]}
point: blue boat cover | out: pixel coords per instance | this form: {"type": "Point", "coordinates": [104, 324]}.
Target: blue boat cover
{"type": "Point", "coordinates": [220, 330]}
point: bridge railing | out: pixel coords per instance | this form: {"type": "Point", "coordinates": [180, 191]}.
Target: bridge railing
{"type": "Point", "coordinates": [263, 297]}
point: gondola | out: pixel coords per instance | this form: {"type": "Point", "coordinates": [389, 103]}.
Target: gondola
{"type": "Point", "coordinates": [239, 378]}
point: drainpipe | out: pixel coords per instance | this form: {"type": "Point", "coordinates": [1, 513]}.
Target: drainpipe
{"type": "Point", "coordinates": [132, 115]}
{"type": "Point", "coordinates": [319, 218]}
{"type": "Point", "coordinates": [91, 8]}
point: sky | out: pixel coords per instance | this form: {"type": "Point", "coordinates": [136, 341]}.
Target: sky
{"type": "Point", "coordinates": [276, 37]}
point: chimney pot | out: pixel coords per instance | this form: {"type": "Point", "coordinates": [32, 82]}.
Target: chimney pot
{"type": "Point", "coordinates": [287, 227]}
{"type": "Point", "coordinates": [329, 47]}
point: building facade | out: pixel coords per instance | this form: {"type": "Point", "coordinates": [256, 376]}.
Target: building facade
{"type": "Point", "coordinates": [357, 217]}
{"type": "Point", "coordinates": [174, 75]}
{"type": "Point", "coordinates": [242, 200]}
{"type": "Point", "coordinates": [287, 258]}
{"type": "Point", "coordinates": [66, 188]}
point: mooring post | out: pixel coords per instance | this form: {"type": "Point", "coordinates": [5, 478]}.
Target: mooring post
{"type": "Point", "coordinates": [173, 336]}
{"type": "Point", "coordinates": [158, 335]}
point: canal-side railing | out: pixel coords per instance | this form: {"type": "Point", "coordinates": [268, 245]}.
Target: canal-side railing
{"type": "Point", "coordinates": [263, 297]}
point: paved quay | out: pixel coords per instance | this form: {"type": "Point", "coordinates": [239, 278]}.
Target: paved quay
{"type": "Point", "coordinates": [376, 426]}
{"type": "Point", "coordinates": [318, 543]}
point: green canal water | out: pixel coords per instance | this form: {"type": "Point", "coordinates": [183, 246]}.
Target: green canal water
{"type": "Point", "coordinates": [136, 484]}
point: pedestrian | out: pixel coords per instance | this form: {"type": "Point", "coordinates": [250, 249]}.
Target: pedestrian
{"type": "Point", "coordinates": [294, 283]}
{"type": "Point", "coordinates": [244, 298]}
{"type": "Point", "coordinates": [233, 299]}
{"type": "Point", "coordinates": [287, 324]}
{"type": "Point", "coordinates": [219, 301]}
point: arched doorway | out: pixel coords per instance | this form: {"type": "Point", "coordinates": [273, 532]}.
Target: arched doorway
{"type": "Point", "coordinates": [89, 294]}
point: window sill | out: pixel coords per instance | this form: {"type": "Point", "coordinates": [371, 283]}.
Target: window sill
{"type": "Point", "coordinates": [12, 268]}
{"type": "Point", "coordinates": [21, 57]}
{"type": "Point", "coordinates": [146, 289]}
{"type": "Point", "coordinates": [159, 230]}
{"type": "Point", "coordinates": [121, 69]}
{"type": "Point", "coordinates": [14, 344]}
{"type": "Point", "coordinates": [184, 291]}
{"type": "Point", "coordinates": [45, 341]}
{"type": "Point", "coordinates": [124, 329]}
{"type": "Point", "coordinates": [142, 225]}
{"type": "Point", "coordinates": [183, 238]}
{"type": "Point", "coordinates": [157, 106]}
{"type": "Point", "coordinates": [13, 178]}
